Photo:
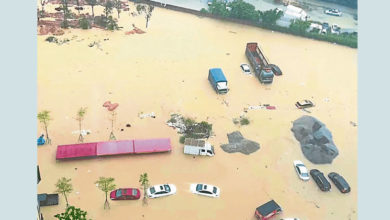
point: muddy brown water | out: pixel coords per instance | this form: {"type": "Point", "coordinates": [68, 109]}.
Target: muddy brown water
{"type": "Point", "coordinates": [165, 71]}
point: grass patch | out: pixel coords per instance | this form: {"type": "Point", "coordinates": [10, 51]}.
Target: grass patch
{"type": "Point", "coordinates": [244, 121]}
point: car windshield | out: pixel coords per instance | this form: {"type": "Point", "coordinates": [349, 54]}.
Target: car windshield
{"type": "Point", "coordinates": [152, 190]}
{"type": "Point", "coordinates": [199, 187]}
{"type": "Point", "coordinates": [304, 174]}
{"type": "Point", "coordinates": [134, 192]}
{"type": "Point", "coordinates": [118, 193]}
{"type": "Point", "coordinates": [167, 188]}
{"type": "Point", "coordinates": [214, 190]}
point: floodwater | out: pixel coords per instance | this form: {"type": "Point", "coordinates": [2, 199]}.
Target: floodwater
{"type": "Point", "coordinates": [314, 8]}
{"type": "Point", "coordinates": [165, 71]}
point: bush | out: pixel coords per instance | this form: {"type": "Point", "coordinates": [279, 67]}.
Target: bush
{"type": "Point", "coordinates": [203, 10]}
{"type": "Point", "coordinates": [52, 39]}
{"type": "Point", "coordinates": [84, 23]}
{"type": "Point", "coordinates": [244, 121]}
{"type": "Point", "coordinates": [111, 24]}
{"type": "Point", "coordinates": [270, 16]}
{"type": "Point", "coordinates": [65, 24]}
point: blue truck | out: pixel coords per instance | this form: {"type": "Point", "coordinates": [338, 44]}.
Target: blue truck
{"type": "Point", "coordinates": [263, 70]}
{"type": "Point", "coordinates": [218, 80]}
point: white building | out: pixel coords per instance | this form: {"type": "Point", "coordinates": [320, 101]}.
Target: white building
{"type": "Point", "coordinates": [290, 14]}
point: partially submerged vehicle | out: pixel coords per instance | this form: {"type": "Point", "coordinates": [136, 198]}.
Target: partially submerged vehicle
{"type": "Point", "coordinates": [259, 63]}
{"type": "Point", "coordinates": [198, 147]}
{"type": "Point", "coordinates": [245, 68]}
{"type": "Point", "coordinates": [320, 179]}
{"type": "Point", "coordinates": [335, 29]}
{"type": "Point", "coordinates": [205, 190]}
{"type": "Point", "coordinates": [304, 104]}
{"type": "Point", "coordinates": [301, 170]}
{"type": "Point", "coordinates": [334, 12]}
{"type": "Point", "coordinates": [267, 210]}
{"type": "Point", "coordinates": [161, 190]}
{"type": "Point", "coordinates": [125, 194]}
{"type": "Point", "coordinates": [340, 182]}
{"type": "Point", "coordinates": [45, 199]}
{"type": "Point", "coordinates": [218, 80]}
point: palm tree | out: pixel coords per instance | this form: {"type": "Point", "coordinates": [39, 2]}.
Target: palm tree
{"type": "Point", "coordinates": [106, 184]}
{"type": "Point", "coordinates": [92, 3]}
{"type": "Point", "coordinates": [44, 118]}
{"type": "Point", "coordinates": [147, 10]}
{"type": "Point", "coordinates": [144, 180]}
{"type": "Point", "coordinates": [64, 187]}
{"type": "Point", "coordinates": [80, 117]}
{"type": "Point", "coordinates": [117, 6]}
{"type": "Point", "coordinates": [112, 119]}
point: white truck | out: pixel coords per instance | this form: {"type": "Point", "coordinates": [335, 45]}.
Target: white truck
{"type": "Point", "coordinates": [198, 147]}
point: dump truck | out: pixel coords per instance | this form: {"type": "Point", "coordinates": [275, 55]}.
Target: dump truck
{"type": "Point", "coordinates": [218, 80]}
{"type": "Point", "coordinates": [198, 147]}
{"type": "Point", "coordinates": [260, 65]}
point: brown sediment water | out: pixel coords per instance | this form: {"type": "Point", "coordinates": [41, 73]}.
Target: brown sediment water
{"type": "Point", "coordinates": [165, 71]}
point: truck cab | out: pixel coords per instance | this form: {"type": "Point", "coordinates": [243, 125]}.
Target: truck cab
{"type": "Point", "coordinates": [198, 147]}
{"type": "Point", "coordinates": [266, 75]}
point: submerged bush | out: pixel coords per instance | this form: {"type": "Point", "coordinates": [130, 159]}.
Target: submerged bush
{"type": "Point", "coordinates": [84, 23]}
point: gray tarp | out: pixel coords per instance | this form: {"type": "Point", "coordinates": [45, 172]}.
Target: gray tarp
{"type": "Point", "coordinates": [315, 139]}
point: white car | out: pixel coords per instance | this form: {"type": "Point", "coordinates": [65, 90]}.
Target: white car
{"type": "Point", "coordinates": [245, 68]}
{"type": "Point", "coordinates": [205, 190]}
{"type": "Point", "coordinates": [161, 190]}
{"type": "Point", "coordinates": [301, 170]}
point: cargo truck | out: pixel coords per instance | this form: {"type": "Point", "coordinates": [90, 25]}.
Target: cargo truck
{"type": "Point", "coordinates": [198, 147]}
{"type": "Point", "coordinates": [263, 70]}
{"type": "Point", "coordinates": [218, 80]}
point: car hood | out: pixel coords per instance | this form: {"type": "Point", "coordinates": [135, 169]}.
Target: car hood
{"type": "Point", "coordinates": [173, 188]}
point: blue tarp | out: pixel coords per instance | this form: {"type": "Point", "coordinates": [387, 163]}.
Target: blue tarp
{"type": "Point", "coordinates": [217, 75]}
{"type": "Point", "coordinates": [41, 140]}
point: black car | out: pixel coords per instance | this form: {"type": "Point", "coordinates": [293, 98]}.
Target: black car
{"type": "Point", "coordinates": [277, 71]}
{"type": "Point", "coordinates": [320, 179]}
{"type": "Point", "coordinates": [340, 182]}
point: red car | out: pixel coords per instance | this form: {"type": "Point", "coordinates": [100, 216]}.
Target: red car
{"type": "Point", "coordinates": [125, 194]}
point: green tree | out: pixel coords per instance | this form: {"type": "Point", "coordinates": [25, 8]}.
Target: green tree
{"type": "Point", "coordinates": [299, 26]}
{"type": "Point", "coordinates": [44, 118]}
{"type": "Point", "coordinates": [112, 119]}
{"type": "Point", "coordinates": [80, 117]}
{"type": "Point", "coordinates": [271, 16]}
{"type": "Point", "coordinates": [65, 10]}
{"type": "Point", "coordinates": [108, 6]}
{"type": "Point", "coordinates": [118, 6]}
{"type": "Point", "coordinates": [144, 180]}
{"type": "Point", "coordinates": [64, 187]}
{"type": "Point", "coordinates": [218, 8]}
{"type": "Point", "coordinates": [243, 10]}
{"type": "Point", "coordinates": [146, 10]}
{"type": "Point", "coordinates": [92, 3]}
{"type": "Point", "coordinates": [106, 184]}
{"type": "Point", "coordinates": [72, 213]}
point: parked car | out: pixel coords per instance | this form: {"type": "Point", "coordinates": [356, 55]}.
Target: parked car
{"type": "Point", "coordinates": [304, 104]}
{"type": "Point", "coordinates": [205, 190]}
{"type": "Point", "coordinates": [245, 68]}
{"type": "Point", "coordinates": [335, 29]}
{"type": "Point", "coordinates": [277, 71]}
{"type": "Point", "coordinates": [161, 190]}
{"type": "Point", "coordinates": [334, 12]}
{"type": "Point", "coordinates": [320, 179]}
{"type": "Point", "coordinates": [340, 182]}
{"type": "Point", "coordinates": [125, 194]}
{"type": "Point", "coordinates": [325, 28]}
{"type": "Point", "coordinates": [301, 170]}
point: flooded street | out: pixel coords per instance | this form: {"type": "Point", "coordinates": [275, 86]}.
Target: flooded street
{"type": "Point", "coordinates": [165, 71]}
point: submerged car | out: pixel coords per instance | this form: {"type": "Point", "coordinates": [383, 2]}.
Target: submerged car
{"type": "Point", "coordinates": [205, 190]}
{"type": "Point", "coordinates": [245, 68]}
{"type": "Point", "coordinates": [161, 190]}
{"type": "Point", "coordinates": [301, 170]}
{"type": "Point", "coordinates": [335, 29]}
{"type": "Point", "coordinates": [340, 182]}
{"type": "Point", "coordinates": [277, 71]}
{"type": "Point", "coordinates": [320, 179]}
{"type": "Point", "coordinates": [267, 210]}
{"type": "Point", "coordinates": [125, 194]}
{"type": "Point", "coordinates": [304, 104]}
